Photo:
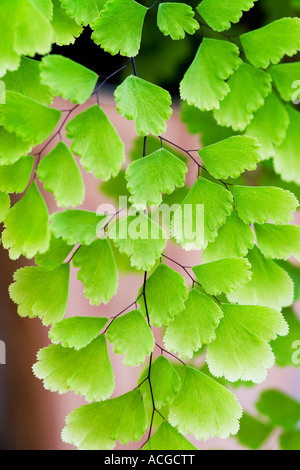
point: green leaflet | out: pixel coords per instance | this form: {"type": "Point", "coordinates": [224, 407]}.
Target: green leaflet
{"type": "Point", "coordinates": [270, 285]}
{"type": "Point", "coordinates": [29, 120]}
{"type": "Point", "coordinates": [223, 275]}
{"type": "Point", "coordinates": [128, 19]}
{"type": "Point", "coordinates": [67, 78]}
{"type": "Point", "coordinates": [249, 87]}
{"type": "Point", "coordinates": [290, 440]}
{"type": "Point", "coordinates": [204, 408]}
{"type": "Point", "coordinates": [140, 238]}
{"type": "Point", "coordinates": [253, 432]}
{"type": "Point", "coordinates": [86, 371]}
{"type": "Point", "coordinates": [99, 425]}
{"type": "Point", "coordinates": [168, 438]}
{"type": "Point", "coordinates": [55, 255]}
{"type": "Point", "coordinates": [286, 157]}
{"type": "Point", "coordinates": [98, 271]}
{"type": "Point", "coordinates": [97, 142]}
{"type": "Point", "coordinates": [249, 356]}
{"type": "Point", "coordinates": [83, 11]}
{"type": "Point", "coordinates": [76, 226]}
{"type": "Point", "coordinates": [77, 332]}
{"type": "Point", "coordinates": [284, 347]}
{"type": "Point", "coordinates": [284, 76]}
{"type": "Point", "coordinates": [12, 147]}
{"type": "Point", "coordinates": [26, 80]}
{"type": "Point", "coordinates": [166, 294]}
{"type": "Point", "coordinates": [131, 335]}
{"type": "Point", "coordinates": [41, 292]}
{"type": "Point", "coordinates": [65, 29]}
{"type": "Point", "coordinates": [219, 14]}
{"type": "Point", "coordinates": [204, 209]}
{"type": "Point", "coordinates": [176, 19]}
{"type": "Point", "coordinates": [272, 42]}
{"type": "Point", "coordinates": [264, 203]}
{"type": "Point", "coordinates": [62, 177]}
{"type": "Point", "coordinates": [278, 241]}
{"type": "Point", "coordinates": [234, 239]}
{"type": "Point", "coordinates": [194, 326]}
{"type": "Point", "coordinates": [4, 206]}
{"type": "Point", "coordinates": [204, 84]}
{"type": "Point", "coordinates": [231, 157]}
{"type": "Point", "coordinates": [14, 178]}
{"type": "Point", "coordinates": [26, 228]}
{"type": "Point", "coordinates": [27, 32]}
{"type": "Point", "coordinates": [165, 383]}
{"type": "Point", "coordinates": [281, 409]}
{"type": "Point", "coordinates": [269, 125]}
{"type": "Point", "coordinates": [146, 104]}
{"type": "Point", "coordinates": [149, 177]}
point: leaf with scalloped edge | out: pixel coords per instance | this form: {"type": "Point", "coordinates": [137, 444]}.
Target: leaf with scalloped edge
{"type": "Point", "coordinates": [28, 119]}
{"type": "Point", "coordinates": [269, 125]}
{"type": "Point", "coordinates": [231, 157]}
{"type": "Point", "coordinates": [83, 11]}
{"type": "Point", "coordinates": [65, 29]}
{"type": "Point", "coordinates": [286, 157]}
{"type": "Point", "coordinates": [176, 19]}
{"type": "Point", "coordinates": [204, 84]}
{"type": "Point", "coordinates": [284, 77]}
{"type": "Point", "coordinates": [14, 178]}
{"type": "Point", "coordinates": [168, 438]}
{"type": "Point", "coordinates": [127, 17]}
{"type": "Point", "coordinates": [26, 80]}
{"type": "Point", "coordinates": [55, 255]}
{"type": "Point", "coordinates": [61, 176]}
{"type": "Point", "coordinates": [27, 31]}
{"type": "Point", "coordinates": [98, 271]}
{"type": "Point", "coordinates": [166, 293]}
{"type": "Point", "coordinates": [140, 238]}
{"type": "Point", "coordinates": [248, 87]}
{"type": "Point", "coordinates": [234, 239]}
{"type": "Point", "coordinates": [26, 228]}
{"type": "Point", "coordinates": [97, 142]}
{"type": "Point", "coordinates": [193, 326]}
{"type": "Point", "coordinates": [204, 408]}
{"type": "Point", "coordinates": [99, 425]}
{"type": "Point", "coordinates": [249, 356]}
{"type": "Point", "coordinates": [4, 206]}
{"type": "Point", "coordinates": [219, 14]}
{"type": "Point", "coordinates": [146, 104]}
{"type": "Point", "coordinates": [204, 209]}
{"type": "Point", "coordinates": [87, 371]}
{"type": "Point", "coordinates": [264, 203]}
{"type": "Point", "coordinates": [76, 226]}
{"type": "Point", "coordinates": [223, 275]}
{"type": "Point", "coordinates": [270, 285]}
{"type": "Point", "coordinates": [284, 346]}
{"type": "Point", "coordinates": [77, 332]}
{"type": "Point", "coordinates": [272, 42]}
{"type": "Point", "coordinates": [157, 173]}
{"type": "Point", "coordinates": [41, 292]}
{"type": "Point", "coordinates": [131, 335]}
{"type": "Point", "coordinates": [67, 78]}
{"type": "Point", "coordinates": [278, 241]}
{"type": "Point", "coordinates": [165, 383]}
{"type": "Point", "coordinates": [12, 147]}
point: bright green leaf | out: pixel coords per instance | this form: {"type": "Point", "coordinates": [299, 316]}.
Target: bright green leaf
{"type": "Point", "coordinates": [219, 14]}
{"type": "Point", "coordinates": [284, 347]}
{"type": "Point", "coordinates": [284, 76]}
{"type": "Point", "coordinates": [249, 88]}
{"type": "Point", "coordinates": [176, 19]}
{"type": "Point", "coordinates": [77, 332]}
{"type": "Point", "coordinates": [41, 292]}
{"type": "Point", "coordinates": [146, 104]}
{"type": "Point", "coordinates": [76, 226]}
{"type": "Point", "coordinates": [61, 176]}
{"type": "Point", "coordinates": [83, 11]}
{"type": "Point", "coordinates": [14, 178]}
{"type": "Point", "coordinates": [65, 29]}
{"type": "Point", "coordinates": [98, 271]}
{"type": "Point", "coordinates": [204, 84]}
{"type": "Point", "coordinates": [55, 255]}
{"type": "Point", "coordinates": [278, 241]}
{"type": "Point", "coordinates": [281, 409]}
{"type": "Point", "coordinates": [168, 438]}
{"type": "Point", "coordinates": [290, 440]}
{"type": "Point", "coordinates": [12, 147]}
{"type": "Point", "coordinates": [26, 229]}
{"type": "Point", "coordinates": [4, 206]}
{"type": "Point", "coordinates": [97, 142]}
{"type": "Point", "coordinates": [253, 433]}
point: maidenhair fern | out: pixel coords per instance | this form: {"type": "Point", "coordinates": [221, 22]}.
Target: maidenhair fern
{"type": "Point", "coordinates": [229, 311]}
